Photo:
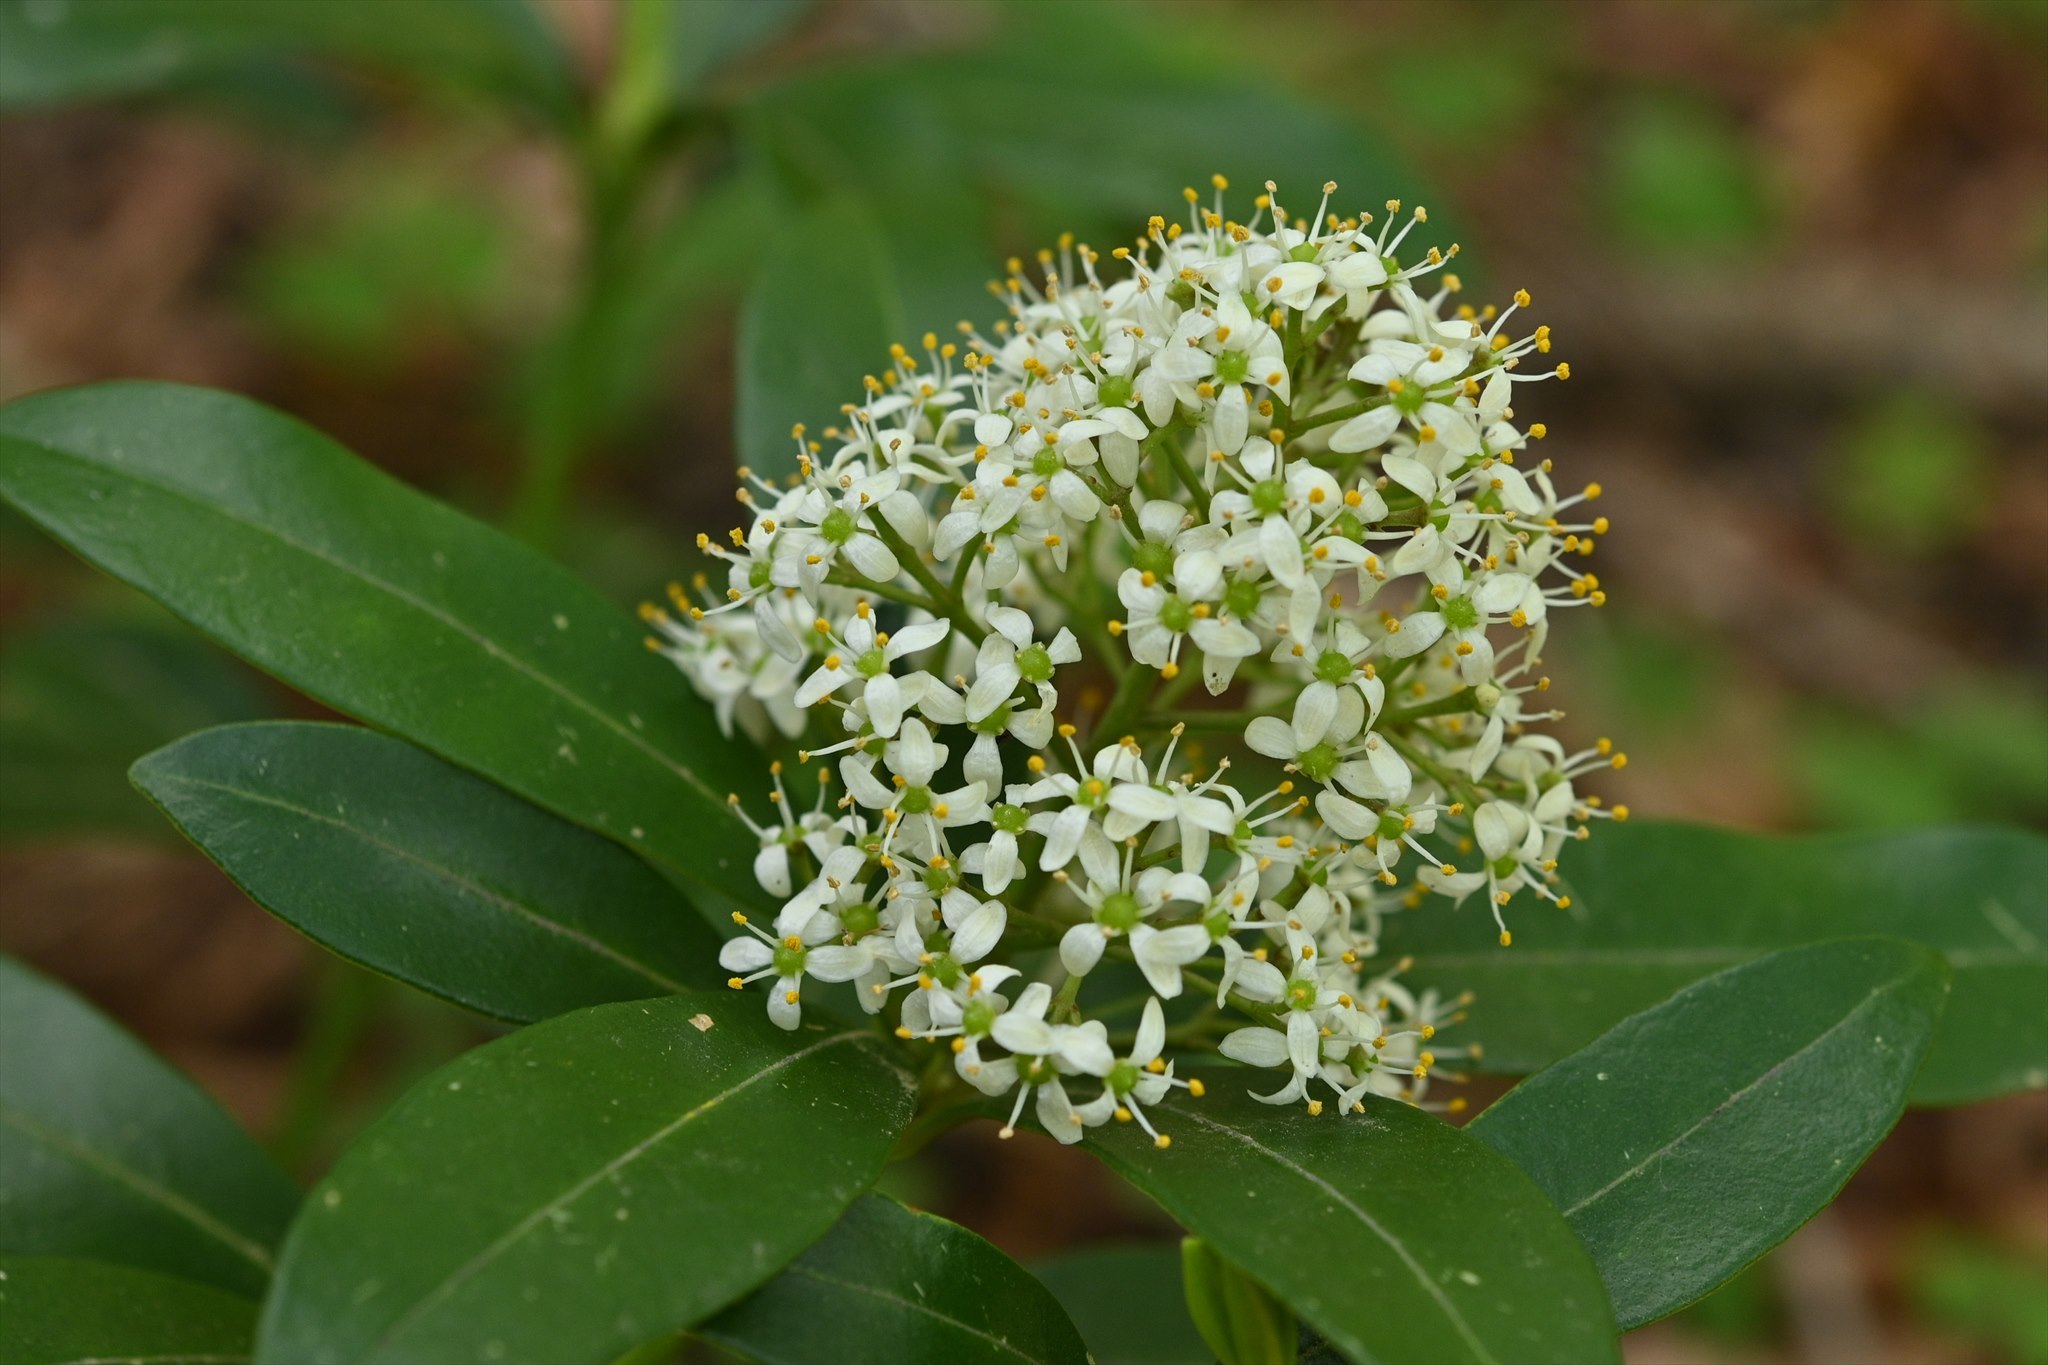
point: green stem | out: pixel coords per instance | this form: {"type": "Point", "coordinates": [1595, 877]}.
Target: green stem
{"type": "Point", "coordinates": [1458, 703]}
{"type": "Point", "coordinates": [1442, 776]}
{"type": "Point", "coordinates": [947, 602]}
{"type": "Point", "coordinates": [1124, 707]}
{"type": "Point", "coordinates": [1342, 414]}
{"type": "Point", "coordinates": [344, 1004]}
{"type": "Point", "coordinates": [1166, 441]}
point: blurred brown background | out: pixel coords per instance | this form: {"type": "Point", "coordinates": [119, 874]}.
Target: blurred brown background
{"type": "Point", "coordinates": [1797, 255]}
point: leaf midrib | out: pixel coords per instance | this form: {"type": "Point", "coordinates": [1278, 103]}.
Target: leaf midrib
{"type": "Point", "coordinates": [489, 645]}
{"type": "Point", "coordinates": [1400, 1249]}
{"type": "Point", "coordinates": [914, 1306]}
{"type": "Point", "coordinates": [439, 869]}
{"type": "Point", "coordinates": [1686, 957]}
{"type": "Point", "coordinates": [469, 1269]}
{"type": "Point", "coordinates": [121, 1173]}
{"type": "Point", "coordinates": [1862, 1007]}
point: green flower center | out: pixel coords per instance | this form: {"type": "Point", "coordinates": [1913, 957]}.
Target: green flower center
{"type": "Point", "coordinates": [838, 526]}
{"type": "Point", "coordinates": [1333, 667]}
{"type": "Point", "coordinates": [1123, 1077]}
{"type": "Point", "coordinates": [757, 575]}
{"type": "Point", "coordinates": [1411, 398]}
{"type": "Point", "coordinates": [995, 722]}
{"type": "Point", "coordinates": [1011, 819]}
{"type": "Point", "coordinates": [914, 800]}
{"type": "Point", "coordinates": [944, 970]}
{"type": "Point", "coordinates": [1114, 391]}
{"type": "Point", "coordinates": [1119, 911]}
{"type": "Point", "coordinates": [977, 1018]}
{"type": "Point", "coordinates": [859, 919]}
{"type": "Point", "coordinates": [1460, 613]}
{"type": "Point", "coordinates": [1319, 762]}
{"type": "Point", "coordinates": [1242, 597]}
{"type": "Point", "coordinates": [1504, 866]}
{"type": "Point", "coordinates": [1305, 251]}
{"type": "Point", "coordinates": [1037, 1070]}
{"type": "Point", "coordinates": [1393, 824]}
{"type": "Point", "coordinates": [1349, 526]}
{"type": "Point", "coordinates": [1154, 558]}
{"type": "Point", "coordinates": [790, 961]}
{"type": "Point", "coordinates": [1047, 463]}
{"type": "Point", "coordinates": [1232, 366]}
{"type": "Point", "coordinates": [1035, 663]}
{"type": "Point", "coordinates": [873, 664]}
{"type": "Point", "coordinates": [1301, 993]}
{"type": "Point", "coordinates": [1176, 615]}
{"type": "Point", "coordinates": [1268, 497]}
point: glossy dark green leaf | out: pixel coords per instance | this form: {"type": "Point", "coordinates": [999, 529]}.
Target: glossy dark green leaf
{"type": "Point", "coordinates": [81, 700]}
{"type": "Point", "coordinates": [888, 1285]}
{"type": "Point", "coordinates": [1691, 1138]}
{"type": "Point", "coordinates": [1127, 1301]}
{"type": "Point", "coordinates": [387, 605]}
{"type": "Point", "coordinates": [399, 861]}
{"type": "Point", "coordinates": [1656, 907]}
{"type": "Point", "coordinates": [1395, 1235]}
{"type": "Point", "coordinates": [61, 53]}
{"type": "Point", "coordinates": [576, 1189]}
{"type": "Point", "coordinates": [107, 1153]}
{"type": "Point", "coordinates": [870, 279]}
{"type": "Point", "coordinates": [55, 1310]}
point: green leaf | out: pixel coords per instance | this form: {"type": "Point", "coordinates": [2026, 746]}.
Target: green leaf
{"type": "Point", "coordinates": [669, 49]}
{"type": "Point", "coordinates": [951, 117]}
{"type": "Point", "coordinates": [62, 53]}
{"type": "Point", "coordinates": [574, 1190]}
{"type": "Point", "coordinates": [406, 864]}
{"type": "Point", "coordinates": [1693, 1137]}
{"type": "Point", "coordinates": [889, 1285]}
{"type": "Point", "coordinates": [1393, 1234]}
{"type": "Point", "coordinates": [59, 1311]}
{"type": "Point", "coordinates": [81, 700]}
{"type": "Point", "coordinates": [388, 606]}
{"type": "Point", "coordinates": [1128, 1303]}
{"type": "Point", "coordinates": [1657, 907]}
{"type": "Point", "coordinates": [1242, 1323]}
{"type": "Point", "coordinates": [806, 337]}
{"type": "Point", "coordinates": [107, 1153]}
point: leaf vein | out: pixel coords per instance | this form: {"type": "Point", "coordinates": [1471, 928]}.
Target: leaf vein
{"type": "Point", "coordinates": [1415, 1267]}
{"type": "Point", "coordinates": [1633, 1171]}
{"type": "Point", "coordinates": [476, 1264]}
{"type": "Point", "coordinates": [913, 1305]}
{"type": "Point", "coordinates": [534, 917]}
{"type": "Point", "coordinates": [250, 1251]}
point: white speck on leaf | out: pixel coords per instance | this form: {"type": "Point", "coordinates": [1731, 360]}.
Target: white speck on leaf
{"type": "Point", "coordinates": [701, 1022]}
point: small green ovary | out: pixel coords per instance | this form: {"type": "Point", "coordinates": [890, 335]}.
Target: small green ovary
{"type": "Point", "coordinates": [838, 526]}
{"type": "Point", "coordinates": [1035, 663]}
{"type": "Point", "coordinates": [1460, 613]}
{"type": "Point", "coordinates": [1318, 762]}
{"type": "Point", "coordinates": [1119, 911]}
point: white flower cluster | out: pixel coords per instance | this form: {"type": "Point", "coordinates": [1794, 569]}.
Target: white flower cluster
{"type": "Point", "coordinates": [1159, 628]}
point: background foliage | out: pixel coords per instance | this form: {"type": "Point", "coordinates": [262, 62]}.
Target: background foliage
{"type": "Point", "coordinates": [1772, 239]}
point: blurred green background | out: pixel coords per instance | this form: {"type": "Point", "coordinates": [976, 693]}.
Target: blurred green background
{"type": "Point", "coordinates": [524, 254]}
